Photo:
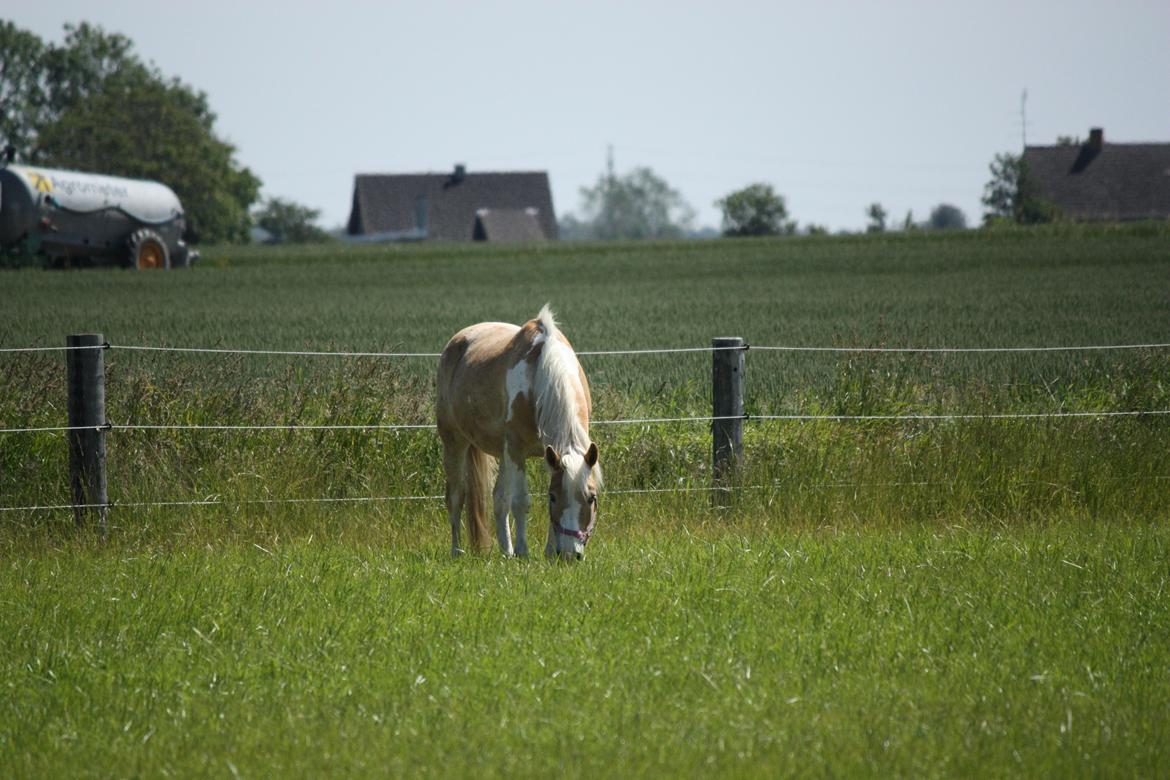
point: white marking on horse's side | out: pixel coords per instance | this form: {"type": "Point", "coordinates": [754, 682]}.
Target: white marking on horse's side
{"type": "Point", "coordinates": [517, 385]}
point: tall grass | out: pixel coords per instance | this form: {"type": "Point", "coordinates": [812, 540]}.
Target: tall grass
{"type": "Point", "coordinates": [888, 597]}
{"type": "Point", "coordinates": [1041, 288]}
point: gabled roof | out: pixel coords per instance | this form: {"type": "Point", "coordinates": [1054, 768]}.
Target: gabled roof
{"type": "Point", "coordinates": [446, 205]}
{"type": "Point", "coordinates": [508, 225]}
{"type": "Point", "coordinates": [1099, 180]}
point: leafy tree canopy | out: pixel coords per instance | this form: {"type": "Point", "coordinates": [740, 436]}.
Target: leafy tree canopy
{"type": "Point", "coordinates": [573, 229]}
{"type": "Point", "coordinates": [90, 104]}
{"type": "Point", "coordinates": [944, 216]}
{"type": "Point", "coordinates": [877, 218]}
{"type": "Point", "coordinates": [756, 210]}
{"type": "Point", "coordinates": [1010, 197]}
{"type": "Point", "coordinates": [23, 85]}
{"type": "Point", "coordinates": [290, 223]}
{"type": "Point", "coordinates": [640, 204]}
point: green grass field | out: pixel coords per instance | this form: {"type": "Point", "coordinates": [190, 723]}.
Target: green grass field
{"type": "Point", "coordinates": [741, 651]}
{"type": "Point", "coordinates": [929, 598]}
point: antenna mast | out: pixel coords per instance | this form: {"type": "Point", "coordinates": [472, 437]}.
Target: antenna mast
{"type": "Point", "coordinates": [1024, 117]}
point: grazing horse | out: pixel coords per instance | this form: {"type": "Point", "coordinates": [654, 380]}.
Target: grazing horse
{"type": "Point", "coordinates": [507, 393]}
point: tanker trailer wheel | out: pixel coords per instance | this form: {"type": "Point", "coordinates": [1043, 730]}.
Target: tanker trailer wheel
{"type": "Point", "coordinates": [148, 251]}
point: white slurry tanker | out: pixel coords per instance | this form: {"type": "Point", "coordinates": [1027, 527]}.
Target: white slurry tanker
{"type": "Point", "coordinates": [71, 218]}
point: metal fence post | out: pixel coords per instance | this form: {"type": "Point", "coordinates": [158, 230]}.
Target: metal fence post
{"type": "Point", "coordinates": [86, 370]}
{"type": "Point", "coordinates": [727, 403]}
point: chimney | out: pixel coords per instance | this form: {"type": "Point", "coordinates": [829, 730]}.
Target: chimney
{"type": "Point", "coordinates": [459, 174]}
{"type": "Point", "coordinates": [1089, 150]}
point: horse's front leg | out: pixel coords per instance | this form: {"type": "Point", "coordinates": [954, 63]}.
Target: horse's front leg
{"type": "Point", "coordinates": [502, 498]}
{"type": "Point", "coordinates": [520, 505]}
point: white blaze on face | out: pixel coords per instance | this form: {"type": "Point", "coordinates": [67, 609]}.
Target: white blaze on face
{"type": "Point", "coordinates": [575, 511]}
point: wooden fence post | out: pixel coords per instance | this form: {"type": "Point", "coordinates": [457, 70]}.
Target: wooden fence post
{"type": "Point", "coordinates": [86, 369]}
{"type": "Point", "coordinates": [727, 402]}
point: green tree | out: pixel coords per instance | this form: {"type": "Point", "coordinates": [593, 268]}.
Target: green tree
{"type": "Point", "coordinates": [1002, 191]}
{"type": "Point", "coordinates": [1010, 197]}
{"type": "Point", "coordinates": [39, 81]}
{"type": "Point", "coordinates": [877, 218]}
{"type": "Point", "coordinates": [944, 216]}
{"type": "Point", "coordinates": [756, 210]}
{"type": "Point", "coordinates": [150, 129]}
{"type": "Point", "coordinates": [23, 91]}
{"type": "Point", "coordinates": [290, 223]}
{"type": "Point", "coordinates": [637, 205]}
{"type": "Point", "coordinates": [92, 105]}
{"type": "Point", "coordinates": [573, 229]}
{"type": "Point", "coordinates": [87, 59]}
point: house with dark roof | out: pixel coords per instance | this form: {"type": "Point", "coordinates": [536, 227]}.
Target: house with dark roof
{"type": "Point", "coordinates": [455, 206]}
{"type": "Point", "coordinates": [1102, 181]}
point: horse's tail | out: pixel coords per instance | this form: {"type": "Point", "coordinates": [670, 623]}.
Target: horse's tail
{"type": "Point", "coordinates": [481, 471]}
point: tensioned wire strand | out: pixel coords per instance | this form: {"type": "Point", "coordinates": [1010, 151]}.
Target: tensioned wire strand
{"type": "Point", "coordinates": [52, 349]}
{"type": "Point", "coordinates": [944, 417]}
{"type": "Point", "coordinates": [275, 427]}
{"type": "Point", "coordinates": [290, 353]}
{"type": "Point", "coordinates": [675, 350]}
{"type": "Point", "coordinates": [632, 421]}
{"type": "Point", "coordinates": [596, 353]}
{"type": "Point", "coordinates": [682, 490]}
{"type": "Point", "coordinates": [218, 502]}
{"type": "Point", "coordinates": [1083, 348]}
{"type": "Point", "coordinates": [375, 499]}
{"type": "Point", "coordinates": [369, 499]}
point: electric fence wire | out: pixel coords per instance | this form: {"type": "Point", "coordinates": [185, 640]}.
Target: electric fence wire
{"type": "Point", "coordinates": [596, 353]}
{"type": "Point", "coordinates": [631, 421]}
{"type": "Point", "coordinates": [678, 490]}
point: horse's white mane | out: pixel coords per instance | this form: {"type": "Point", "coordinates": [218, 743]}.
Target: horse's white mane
{"type": "Point", "coordinates": [558, 386]}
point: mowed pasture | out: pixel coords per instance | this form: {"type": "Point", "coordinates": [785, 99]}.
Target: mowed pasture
{"type": "Point", "coordinates": [913, 597]}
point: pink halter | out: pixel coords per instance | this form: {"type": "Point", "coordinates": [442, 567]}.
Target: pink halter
{"type": "Point", "coordinates": [582, 536]}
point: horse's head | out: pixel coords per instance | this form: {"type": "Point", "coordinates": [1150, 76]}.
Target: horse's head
{"type": "Point", "coordinates": [572, 501]}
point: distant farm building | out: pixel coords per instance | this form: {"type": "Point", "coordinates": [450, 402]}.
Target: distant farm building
{"type": "Point", "coordinates": [1102, 181]}
{"type": "Point", "coordinates": [456, 206]}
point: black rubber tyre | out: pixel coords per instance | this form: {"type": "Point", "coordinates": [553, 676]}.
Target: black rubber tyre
{"type": "Point", "coordinates": [147, 251]}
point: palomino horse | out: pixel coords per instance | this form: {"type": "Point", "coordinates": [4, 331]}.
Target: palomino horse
{"type": "Point", "coordinates": [508, 393]}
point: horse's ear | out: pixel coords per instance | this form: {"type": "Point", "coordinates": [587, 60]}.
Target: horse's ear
{"type": "Point", "coordinates": [551, 457]}
{"type": "Point", "coordinates": [591, 455]}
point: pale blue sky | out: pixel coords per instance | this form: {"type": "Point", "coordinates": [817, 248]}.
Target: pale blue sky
{"type": "Point", "coordinates": [836, 104]}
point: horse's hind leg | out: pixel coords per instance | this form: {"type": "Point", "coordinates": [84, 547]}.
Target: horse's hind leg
{"type": "Point", "coordinates": [455, 467]}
